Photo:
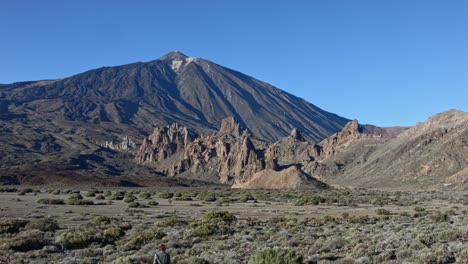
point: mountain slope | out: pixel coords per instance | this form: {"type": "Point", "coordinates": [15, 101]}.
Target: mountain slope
{"type": "Point", "coordinates": [432, 154]}
{"type": "Point", "coordinates": [56, 130]}
{"type": "Point", "coordinates": [173, 89]}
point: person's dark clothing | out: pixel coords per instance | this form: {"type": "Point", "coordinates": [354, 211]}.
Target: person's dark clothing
{"type": "Point", "coordinates": [162, 258]}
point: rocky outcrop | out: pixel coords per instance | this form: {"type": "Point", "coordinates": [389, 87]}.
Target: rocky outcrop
{"type": "Point", "coordinates": [289, 178]}
{"type": "Point", "coordinates": [163, 143]}
{"type": "Point", "coordinates": [229, 153]}
{"type": "Point", "coordinates": [127, 144]}
{"type": "Point", "coordinates": [292, 150]}
{"type": "Point", "coordinates": [432, 154]}
{"type": "Point", "coordinates": [351, 133]}
{"type": "Point", "coordinates": [231, 127]}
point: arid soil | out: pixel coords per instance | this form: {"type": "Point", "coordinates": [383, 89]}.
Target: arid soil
{"type": "Point", "coordinates": [229, 226]}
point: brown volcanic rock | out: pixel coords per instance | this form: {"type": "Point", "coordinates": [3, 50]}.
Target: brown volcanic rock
{"type": "Point", "coordinates": [292, 150]}
{"type": "Point", "coordinates": [230, 126]}
{"type": "Point", "coordinates": [164, 142]}
{"type": "Point", "coordinates": [432, 154]}
{"type": "Point", "coordinates": [241, 162]}
{"type": "Point", "coordinates": [351, 133]}
{"type": "Point", "coordinates": [290, 178]}
{"type": "Point", "coordinates": [230, 154]}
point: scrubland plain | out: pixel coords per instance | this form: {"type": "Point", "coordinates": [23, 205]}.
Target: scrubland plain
{"type": "Point", "coordinates": [220, 225]}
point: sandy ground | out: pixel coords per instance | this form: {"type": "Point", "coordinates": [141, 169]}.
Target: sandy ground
{"type": "Point", "coordinates": [13, 205]}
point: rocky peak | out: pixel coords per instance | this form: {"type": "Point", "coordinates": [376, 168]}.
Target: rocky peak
{"type": "Point", "coordinates": [350, 134]}
{"type": "Point", "coordinates": [230, 126]}
{"type": "Point", "coordinates": [352, 128]}
{"type": "Point", "coordinates": [296, 135]}
{"type": "Point", "coordinates": [174, 55]}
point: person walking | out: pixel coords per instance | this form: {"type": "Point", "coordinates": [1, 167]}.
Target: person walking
{"type": "Point", "coordinates": [162, 257]}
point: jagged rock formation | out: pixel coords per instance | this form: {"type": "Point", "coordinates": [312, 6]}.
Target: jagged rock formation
{"type": "Point", "coordinates": [127, 144]}
{"type": "Point", "coordinates": [351, 133]}
{"type": "Point", "coordinates": [432, 154]}
{"type": "Point", "coordinates": [228, 154]}
{"type": "Point", "coordinates": [233, 156]}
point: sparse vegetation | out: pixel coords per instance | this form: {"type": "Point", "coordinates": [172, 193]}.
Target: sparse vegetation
{"type": "Point", "coordinates": [276, 256]}
{"type": "Point", "coordinates": [258, 226]}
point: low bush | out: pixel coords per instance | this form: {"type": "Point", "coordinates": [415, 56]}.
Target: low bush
{"type": "Point", "coordinates": [144, 195]}
{"type": "Point", "coordinates": [153, 203]}
{"type": "Point", "coordinates": [129, 198]}
{"type": "Point", "coordinates": [382, 211]}
{"type": "Point", "coordinates": [276, 256]}
{"type": "Point", "coordinates": [113, 234]}
{"type": "Point", "coordinates": [26, 241]}
{"type": "Point", "coordinates": [214, 222]}
{"type": "Point", "coordinates": [166, 195]}
{"type": "Point", "coordinates": [51, 201]}
{"type": "Point", "coordinates": [79, 202]}
{"type": "Point", "coordinates": [197, 260]}
{"type": "Point", "coordinates": [171, 222]}
{"type": "Point", "coordinates": [138, 239]}
{"type": "Point", "coordinates": [44, 224]}
{"type": "Point", "coordinates": [76, 196]}
{"type": "Point", "coordinates": [133, 204]}
{"type": "Point", "coordinates": [12, 225]}
{"type": "Point", "coordinates": [77, 238]}
{"type": "Point", "coordinates": [91, 193]}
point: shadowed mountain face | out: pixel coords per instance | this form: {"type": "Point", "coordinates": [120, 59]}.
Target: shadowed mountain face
{"type": "Point", "coordinates": [195, 93]}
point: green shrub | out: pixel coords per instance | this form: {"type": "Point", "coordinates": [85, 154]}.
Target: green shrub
{"type": "Point", "coordinates": [50, 201]}
{"type": "Point", "coordinates": [79, 202]}
{"type": "Point", "coordinates": [440, 217]}
{"type": "Point", "coordinates": [102, 220]}
{"type": "Point", "coordinates": [166, 195]}
{"type": "Point", "coordinates": [117, 196]}
{"type": "Point", "coordinates": [8, 189]}
{"type": "Point", "coordinates": [76, 196]}
{"type": "Point", "coordinates": [197, 260]}
{"type": "Point", "coordinates": [129, 198]}
{"type": "Point", "coordinates": [55, 192]}
{"type": "Point", "coordinates": [44, 224]}
{"type": "Point", "coordinates": [133, 204]}
{"type": "Point", "coordinates": [382, 211]}
{"type": "Point", "coordinates": [100, 197]}
{"type": "Point", "coordinates": [276, 256]}
{"type": "Point", "coordinates": [27, 190]}
{"type": "Point", "coordinates": [247, 197]}
{"type": "Point", "coordinates": [11, 225]}
{"type": "Point", "coordinates": [214, 222]}
{"type": "Point", "coordinates": [136, 240]}
{"type": "Point", "coordinates": [144, 195]}
{"type": "Point", "coordinates": [112, 234]}
{"type": "Point", "coordinates": [153, 203]}
{"type": "Point", "coordinates": [29, 240]}
{"type": "Point", "coordinates": [77, 238]}
{"type": "Point", "coordinates": [91, 193]}
{"type": "Point", "coordinates": [171, 222]}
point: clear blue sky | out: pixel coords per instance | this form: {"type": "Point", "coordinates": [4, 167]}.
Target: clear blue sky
{"type": "Point", "coordinates": [391, 62]}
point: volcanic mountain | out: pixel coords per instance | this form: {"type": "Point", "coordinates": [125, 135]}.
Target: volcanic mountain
{"type": "Point", "coordinates": [60, 127]}
{"type": "Point", "coordinates": [175, 88]}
